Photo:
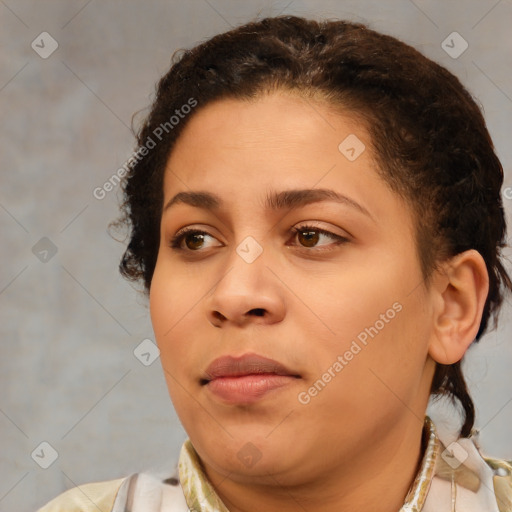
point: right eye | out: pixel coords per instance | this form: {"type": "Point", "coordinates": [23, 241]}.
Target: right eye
{"type": "Point", "coordinates": [193, 239]}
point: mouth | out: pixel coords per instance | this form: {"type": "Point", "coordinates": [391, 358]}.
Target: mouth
{"type": "Point", "coordinates": [246, 379]}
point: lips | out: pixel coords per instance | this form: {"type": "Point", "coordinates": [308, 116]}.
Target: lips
{"type": "Point", "coordinates": [246, 380]}
{"type": "Point", "coordinates": [248, 364]}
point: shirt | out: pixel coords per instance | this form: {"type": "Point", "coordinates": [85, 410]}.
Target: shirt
{"type": "Point", "coordinates": [453, 478]}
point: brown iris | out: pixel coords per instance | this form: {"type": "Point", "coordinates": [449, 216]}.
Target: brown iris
{"type": "Point", "coordinates": [194, 240]}
{"type": "Point", "coordinates": [310, 237]}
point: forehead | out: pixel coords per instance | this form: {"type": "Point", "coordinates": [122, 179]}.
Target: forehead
{"type": "Point", "coordinates": [240, 149]}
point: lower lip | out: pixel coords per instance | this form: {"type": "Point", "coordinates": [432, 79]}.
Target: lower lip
{"type": "Point", "coordinates": [247, 389]}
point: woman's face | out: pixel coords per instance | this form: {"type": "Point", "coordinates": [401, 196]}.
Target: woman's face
{"type": "Point", "coordinates": [300, 253]}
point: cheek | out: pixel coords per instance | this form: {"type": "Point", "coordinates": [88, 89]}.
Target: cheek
{"type": "Point", "coordinates": [394, 354]}
{"type": "Point", "coordinates": [176, 310]}
{"type": "Point", "coordinates": [160, 303]}
{"type": "Point", "coordinates": [380, 322]}
{"type": "Point", "coordinates": [365, 296]}
{"type": "Point", "coordinates": [165, 311]}
{"type": "Point", "coordinates": [172, 296]}
{"type": "Point", "coordinates": [168, 302]}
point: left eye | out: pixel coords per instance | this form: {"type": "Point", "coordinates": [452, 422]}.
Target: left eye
{"type": "Point", "coordinates": [309, 236]}
{"type": "Point", "coordinates": [193, 240]}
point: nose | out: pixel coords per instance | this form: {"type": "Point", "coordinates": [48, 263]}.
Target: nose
{"type": "Point", "coordinates": [246, 293]}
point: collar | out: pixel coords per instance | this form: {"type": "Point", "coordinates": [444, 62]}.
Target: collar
{"type": "Point", "coordinates": [431, 476]}
{"type": "Point", "coordinates": [199, 492]}
{"type": "Point", "coordinates": [419, 489]}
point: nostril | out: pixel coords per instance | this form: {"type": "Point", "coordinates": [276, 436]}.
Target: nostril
{"type": "Point", "coordinates": [257, 312]}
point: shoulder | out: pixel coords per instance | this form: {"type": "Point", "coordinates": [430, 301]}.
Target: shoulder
{"type": "Point", "coordinates": [502, 480]}
{"type": "Point", "coordinates": [476, 482]}
{"type": "Point", "coordinates": [146, 492]}
{"type": "Point", "coordinates": [140, 492]}
{"type": "Point", "coordinates": [97, 496]}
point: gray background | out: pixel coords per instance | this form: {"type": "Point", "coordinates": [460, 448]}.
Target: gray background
{"type": "Point", "coordinates": [69, 325]}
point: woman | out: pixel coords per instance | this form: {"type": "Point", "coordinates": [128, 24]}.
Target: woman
{"type": "Point", "coordinates": [315, 215]}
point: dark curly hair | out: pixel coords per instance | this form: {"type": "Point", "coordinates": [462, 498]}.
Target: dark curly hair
{"type": "Point", "coordinates": [428, 135]}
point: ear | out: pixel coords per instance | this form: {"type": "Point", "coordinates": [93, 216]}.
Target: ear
{"type": "Point", "coordinates": [460, 290]}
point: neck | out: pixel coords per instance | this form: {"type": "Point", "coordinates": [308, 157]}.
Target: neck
{"type": "Point", "coordinates": [378, 478]}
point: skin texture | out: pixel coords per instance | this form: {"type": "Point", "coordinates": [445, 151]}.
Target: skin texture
{"type": "Point", "coordinates": [356, 444]}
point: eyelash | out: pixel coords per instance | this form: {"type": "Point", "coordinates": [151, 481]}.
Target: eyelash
{"type": "Point", "coordinates": [175, 242]}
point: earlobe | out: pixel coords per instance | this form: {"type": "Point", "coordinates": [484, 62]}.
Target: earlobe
{"type": "Point", "coordinates": [460, 290]}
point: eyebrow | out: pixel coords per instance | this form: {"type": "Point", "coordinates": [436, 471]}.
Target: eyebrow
{"type": "Point", "coordinates": [276, 201]}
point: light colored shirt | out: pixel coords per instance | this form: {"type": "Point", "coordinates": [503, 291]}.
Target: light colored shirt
{"type": "Point", "coordinates": [453, 478]}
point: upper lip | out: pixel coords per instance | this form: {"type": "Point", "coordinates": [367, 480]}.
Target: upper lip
{"type": "Point", "coordinates": [247, 364]}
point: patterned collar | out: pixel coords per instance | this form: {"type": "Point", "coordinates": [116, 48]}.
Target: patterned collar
{"type": "Point", "coordinates": [201, 496]}
{"type": "Point", "coordinates": [419, 489]}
